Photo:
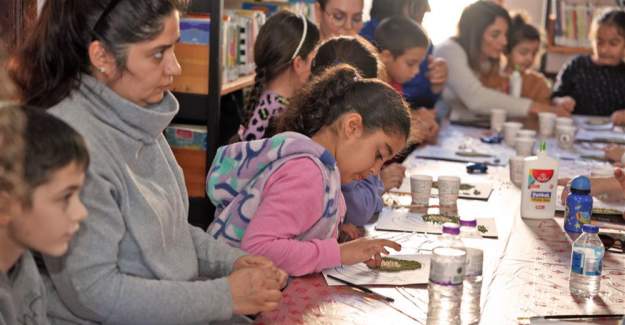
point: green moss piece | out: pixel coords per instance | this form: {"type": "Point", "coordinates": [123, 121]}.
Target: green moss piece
{"type": "Point", "coordinates": [390, 264]}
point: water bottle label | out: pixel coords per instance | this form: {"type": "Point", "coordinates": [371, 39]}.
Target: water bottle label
{"type": "Point", "coordinates": [449, 273]}
{"type": "Point", "coordinates": [475, 258]}
{"type": "Point", "coordinates": [587, 261]}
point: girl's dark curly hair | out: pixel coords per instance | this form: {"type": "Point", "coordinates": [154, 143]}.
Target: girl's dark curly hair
{"type": "Point", "coordinates": [339, 90]}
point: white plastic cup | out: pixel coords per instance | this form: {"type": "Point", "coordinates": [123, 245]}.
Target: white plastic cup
{"type": "Point", "coordinates": [566, 136]}
{"type": "Point", "coordinates": [420, 189]}
{"type": "Point", "coordinates": [525, 133]}
{"type": "Point", "coordinates": [497, 119]}
{"type": "Point", "coordinates": [546, 123]}
{"type": "Point", "coordinates": [448, 189]}
{"type": "Point", "coordinates": [510, 130]}
{"type": "Point", "coordinates": [524, 146]}
{"type": "Point", "coordinates": [516, 170]}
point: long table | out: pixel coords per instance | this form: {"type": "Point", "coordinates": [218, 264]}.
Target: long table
{"type": "Point", "coordinates": [526, 269]}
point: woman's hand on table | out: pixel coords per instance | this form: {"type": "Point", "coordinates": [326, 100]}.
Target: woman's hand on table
{"type": "Point", "coordinates": [366, 250]}
{"type": "Point", "coordinates": [392, 176]}
{"type": "Point", "coordinates": [618, 117]}
{"type": "Point", "coordinates": [566, 102]}
{"type": "Point", "coordinates": [255, 289]}
{"type": "Point", "coordinates": [254, 261]}
{"type": "Point", "coordinates": [437, 73]}
{"type": "Point", "coordinates": [537, 107]}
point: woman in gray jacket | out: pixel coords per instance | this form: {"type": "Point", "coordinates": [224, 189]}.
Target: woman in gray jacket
{"type": "Point", "coordinates": [106, 67]}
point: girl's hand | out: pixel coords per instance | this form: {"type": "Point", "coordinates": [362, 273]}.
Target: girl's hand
{"type": "Point", "coordinates": [392, 176]}
{"type": "Point", "coordinates": [366, 250]}
{"type": "Point", "coordinates": [255, 290]}
{"type": "Point", "coordinates": [618, 117]}
{"type": "Point", "coordinates": [437, 73]}
{"type": "Point", "coordinates": [566, 103]}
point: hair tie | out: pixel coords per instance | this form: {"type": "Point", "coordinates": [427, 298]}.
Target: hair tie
{"type": "Point", "coordinates": [301, 41]}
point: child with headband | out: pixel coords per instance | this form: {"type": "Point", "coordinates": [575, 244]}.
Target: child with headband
{"type": "Point", "coordinates": [282, 54]}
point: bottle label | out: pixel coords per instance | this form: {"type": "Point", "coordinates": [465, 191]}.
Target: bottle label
{"type": "Point", "coordinates": [540, 197]}
{"type": "Point", "coordinates": [587, 261]}
{"type": "Point", "coordinates": [578, 211]}
{"type": "Point", "coordinates": [475, 259]}
{"type": "Point", "coordinates": [540, 175]}
{"type": "Point", "coordinates": [448, 269]}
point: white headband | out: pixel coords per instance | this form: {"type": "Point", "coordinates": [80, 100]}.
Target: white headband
{"type": "Point", "coordinates": [301, 41]}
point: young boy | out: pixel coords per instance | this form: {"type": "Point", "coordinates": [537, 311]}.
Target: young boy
{"type": "Point", "coordinates": [45, 215]}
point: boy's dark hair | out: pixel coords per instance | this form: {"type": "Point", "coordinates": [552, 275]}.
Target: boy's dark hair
{"type": "Point", "coordinates": [49, 64]}
{"type": "Point", "coordinates": [50, 145]}
{"type": "Point", "coordinates": [355, 51]}
{"type": "Point", "coordinates": [520, 31]}
{"type": "Point", "coordinates": [382, 9]}
{"type": "Point", "coordinates": [474, 20]}
{"type": "Point", "coordinates": [398, 34]}
{"type": "Point", "coordinates": [610, 17]}
{"type": "Point", "coordinates": [276, 43]}
{"type": "Point", "coordinates": [339, 90]}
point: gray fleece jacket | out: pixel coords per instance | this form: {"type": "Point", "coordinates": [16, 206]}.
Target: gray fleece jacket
{"type": "Point", "coordinates": [135, 260]}
{"type": "Point", "coordinates": [22, 294]}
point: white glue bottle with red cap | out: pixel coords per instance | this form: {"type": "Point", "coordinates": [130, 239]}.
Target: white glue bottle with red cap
{"type": "Point", "coordinates": [540, 183]}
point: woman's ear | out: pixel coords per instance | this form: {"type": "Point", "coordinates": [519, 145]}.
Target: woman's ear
{"type": "Point", "coordinates": [102, 62]}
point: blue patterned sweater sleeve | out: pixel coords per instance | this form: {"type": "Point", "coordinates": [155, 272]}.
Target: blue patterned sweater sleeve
{"type": "Point", "coordinates": [363, 199]}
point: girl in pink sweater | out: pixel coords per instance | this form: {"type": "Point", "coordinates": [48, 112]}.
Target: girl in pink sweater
{"type": "Point", "coordinates": [280, 197]}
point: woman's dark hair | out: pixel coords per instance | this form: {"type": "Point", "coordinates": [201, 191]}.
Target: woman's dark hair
{"type": "Point", "coordinates": [277, 42]}
{"type": "Point", "coordinates": [339, 90]}
{"type": "Point", "coordinates": [12, 153]}
{"type": "Point", "coordinates": [355, 51]}
{"type": "Point", "coordinates": [50, 145]}
{"type": "Point", "coordinates": [520, 31]}
{"type": "Point", "coordinates": [323, 4]}
{"type": "Point", "coordinates": [473, 22]}
{"type": "Point", "coordinates": [382, 9]}
{"type": "Point", "coordinates": [50, 63]}
{"type": "Point", "coordinates": [610, 17]}
{"type": "Point", "coordinates": [398, 34]}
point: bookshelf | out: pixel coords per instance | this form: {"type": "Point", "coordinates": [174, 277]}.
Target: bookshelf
{"type": "Point", "coordinates": [242, 82]}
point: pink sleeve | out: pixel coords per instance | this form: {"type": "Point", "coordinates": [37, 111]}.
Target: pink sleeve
{"type": "Point", "coordinates": [292, 203]}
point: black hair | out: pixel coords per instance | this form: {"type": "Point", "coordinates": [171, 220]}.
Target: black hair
{"type": "Point", "coordinates": [355, 51]}
{"type": "Point", "coordinates": [49, 64]}
{"type": "Point", "coordinates": [12, 153]}
{"type": "Point", "coordinates": [520, 31]}
{"type": "Point", "coordinates": [610, 17]}
{"type": "Point", "coordinates": [339, 90]}
{"type": "Point", "coordinates": [50, 145]}
{"type": "Point", "coordinates": [275, 45]}
{"type": "Point", "coordinates": [382, 9]}
{"type": "Point", "coordinates": [398, 34]}
{"type": "Point", "coordinates": [474, 20]}
{"type": "Point", "coordinates": [323, 4]}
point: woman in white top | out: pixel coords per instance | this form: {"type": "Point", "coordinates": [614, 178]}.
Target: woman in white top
{"type": "Point", "coordinates": [475, 53]}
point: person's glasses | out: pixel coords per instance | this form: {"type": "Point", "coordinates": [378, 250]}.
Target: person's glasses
{"type": "Point", "coordinates": [610, 242]}
{"type": "Point", "coordinates": [339, 19]}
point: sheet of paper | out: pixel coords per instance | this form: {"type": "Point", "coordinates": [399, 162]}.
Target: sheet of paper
{"type": "Point", "coordinates": [363, 275]}
{"type": "Point", "coordinates": [403, 220]}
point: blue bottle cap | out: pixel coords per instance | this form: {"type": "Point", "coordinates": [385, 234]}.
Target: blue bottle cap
{"type": "Point", "coordinates": [590, 228]}
{"type": "Point", "coordinates": [580, 183]}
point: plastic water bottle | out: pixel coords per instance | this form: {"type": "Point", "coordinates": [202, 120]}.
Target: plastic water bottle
{"type": "Point", "coordinates": [446, 276]}
{"type": "Point", "coordinates": [472, 285]}
{"type": "Point", "coordinates": [516, 82]}
{"type": "Point", "coordinates": [586, 263]}
{"type": "Point", "coordinates": [578, 206]}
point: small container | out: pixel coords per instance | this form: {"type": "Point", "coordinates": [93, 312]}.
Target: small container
{"type": "Point", "coordinates": [578, 205]}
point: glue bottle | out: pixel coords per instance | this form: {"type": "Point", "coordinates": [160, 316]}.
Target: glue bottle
{"type": "Point", "coordinates": [540, 183]}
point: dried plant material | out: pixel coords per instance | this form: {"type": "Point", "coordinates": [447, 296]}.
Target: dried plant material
{"type": "Point", "coordinates": [390, 264]}
{"type": "Point", "coordinates": [440, 219]}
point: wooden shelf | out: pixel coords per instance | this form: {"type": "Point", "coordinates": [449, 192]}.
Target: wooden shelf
{"type": "Point", "coordinates": [568, 50]}
{"type": "Point", "coordinates": [240, 83]}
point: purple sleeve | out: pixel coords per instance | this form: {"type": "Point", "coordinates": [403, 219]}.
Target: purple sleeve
{"type": "Point", "coordinates": [292, 203]}
{"type": "Point", "coordinates": [363, 199]}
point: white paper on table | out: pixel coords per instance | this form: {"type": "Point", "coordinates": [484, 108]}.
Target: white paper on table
{"type": "Point", "coordinates": [363, 275]}
{"type": "Point", "coordinates": [403, 220]}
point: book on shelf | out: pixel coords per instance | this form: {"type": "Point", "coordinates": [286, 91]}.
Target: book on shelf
{"type": "Point", "coordinates": [573, 21]}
